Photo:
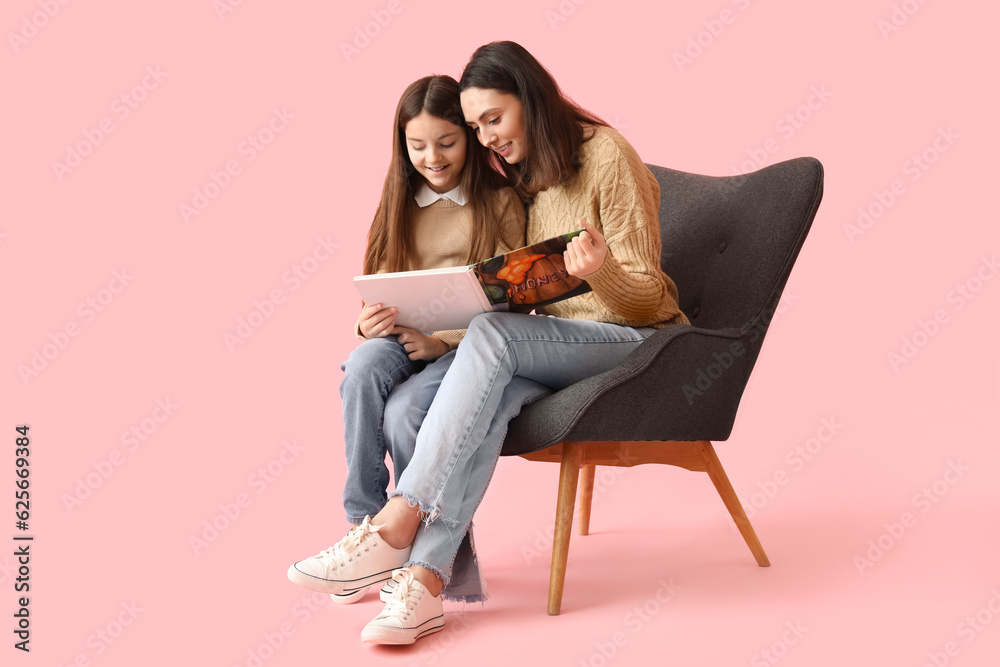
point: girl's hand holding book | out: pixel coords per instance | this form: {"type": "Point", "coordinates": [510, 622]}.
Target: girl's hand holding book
{"type": "Point", "coordinates": [420, 346]}
{"type": "Point", "coordinates": [376, 321]}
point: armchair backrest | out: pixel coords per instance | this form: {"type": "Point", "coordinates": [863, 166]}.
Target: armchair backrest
{"type": "Point", "coordinates": [729, 242]}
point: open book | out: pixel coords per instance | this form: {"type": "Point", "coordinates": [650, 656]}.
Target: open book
{"type": "Point", "coordinates": [440, 299]}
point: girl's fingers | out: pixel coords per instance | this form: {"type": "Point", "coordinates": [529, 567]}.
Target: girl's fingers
{"type": "Point", "coordinates": [383, 322]}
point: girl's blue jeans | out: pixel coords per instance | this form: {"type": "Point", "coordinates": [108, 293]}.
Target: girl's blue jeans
{"type": "Point", "coordinates": [372, 371]}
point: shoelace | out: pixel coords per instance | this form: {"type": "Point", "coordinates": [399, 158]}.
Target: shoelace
{"type": "Point", "coordinates": [343, 550]}
{"type": "Point", "coordinates": [397, 604]}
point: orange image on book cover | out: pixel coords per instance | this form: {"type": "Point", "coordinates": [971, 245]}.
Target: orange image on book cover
{"type": "Point", "coordinates": [530, 277]}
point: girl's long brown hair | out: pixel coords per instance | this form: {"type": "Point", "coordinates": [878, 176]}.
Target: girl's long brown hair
{"type": "Point", "coordinates": [553, 123]}
{"type": "Point", "coordinates": [389, 240]}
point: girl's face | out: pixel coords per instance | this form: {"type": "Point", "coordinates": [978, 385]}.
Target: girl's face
{"type": "Point", "coordinates": [437, 151]}
{"type": "Point", "coordinates": [498, 121]}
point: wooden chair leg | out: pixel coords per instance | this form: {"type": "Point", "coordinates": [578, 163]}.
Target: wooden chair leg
{"type": "Point", "coordinates": [725, 489]}
{"type": "Point", "coordinates": [569, 471]}
{"type": "Point", "coordinates": [586, 497]}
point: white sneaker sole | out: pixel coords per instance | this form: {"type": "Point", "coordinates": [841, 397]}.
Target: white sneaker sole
{"type": "Point", "coordinates": [381, 634]}
{"type": "Point", "coordinates": [335, 587]}
{"type": "Point", "coordinates": [348, 598]}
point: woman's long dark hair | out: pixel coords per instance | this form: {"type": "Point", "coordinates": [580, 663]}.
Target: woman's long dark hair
{"type": "Point", "coordinates": [389, 237]}
{"type": "Point", "coordinates": [553, 123]}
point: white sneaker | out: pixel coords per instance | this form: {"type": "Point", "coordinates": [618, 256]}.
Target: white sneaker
{"type": "Point", "coordinates": [385, 593]}
{"type": "Point", "coordinates": [410, 614]}
{"type": "Point", "coordinates": [350, 598]}
{"type": "Point", "coordinates": [359, 560]}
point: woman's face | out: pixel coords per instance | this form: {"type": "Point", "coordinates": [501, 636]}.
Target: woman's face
{"type": "Point", "coordinates": [497, 120]}
{"type": "Point", "coordinates": [437, 151]}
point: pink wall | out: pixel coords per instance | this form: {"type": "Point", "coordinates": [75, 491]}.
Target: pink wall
{"type": "Point", "coordinates": [882, 535]}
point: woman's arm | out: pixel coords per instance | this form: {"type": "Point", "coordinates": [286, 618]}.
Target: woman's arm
{"type": "Point", "coordinates": [629, 281]}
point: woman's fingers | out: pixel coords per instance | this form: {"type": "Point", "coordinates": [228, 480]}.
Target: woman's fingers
{"type": "Point", "coordinates": [585, 253]}
{"type": "Point", "coordinates": [594, 236]}
{"type": "Point", "coordinates": [579, 255]}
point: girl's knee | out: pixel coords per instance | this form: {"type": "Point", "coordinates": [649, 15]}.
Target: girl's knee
{"type": "Point", "coordinates": [375, 354]}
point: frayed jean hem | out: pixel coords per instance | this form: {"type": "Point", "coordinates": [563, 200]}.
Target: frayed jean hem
{"type": "Point", "coordinates": [430, 512]}
{"type": "Point", "coordinates": [427, 566]}
{"type": "Point", "coordinates": [481, 597]}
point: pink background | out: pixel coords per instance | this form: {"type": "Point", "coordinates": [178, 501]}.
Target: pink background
{"type": "Point", "coordinates": [182, 285]}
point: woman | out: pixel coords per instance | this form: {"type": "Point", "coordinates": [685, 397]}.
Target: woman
{"type": "Point", "coordinates": [575, 171]}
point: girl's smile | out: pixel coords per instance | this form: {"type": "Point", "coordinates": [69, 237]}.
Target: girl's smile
{"type": "Point", "coordinates": [437, 151]}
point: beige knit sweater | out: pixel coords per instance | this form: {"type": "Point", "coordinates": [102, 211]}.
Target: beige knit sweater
{"type": "Point", "coordinates": [441, 235]}
{"type": "Point", "coordinates": [618, 194]}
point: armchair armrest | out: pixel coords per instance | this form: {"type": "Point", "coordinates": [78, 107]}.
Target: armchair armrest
{"type": "Point", "coordinates": [682, 383]}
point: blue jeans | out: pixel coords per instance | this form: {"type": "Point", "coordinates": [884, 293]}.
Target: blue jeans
{"type": "Point", "coordinates": [372, 371]}
{"type": "Point", "coordinates": [385, 398]}
{"type": "Point", "coordinates": [405, 411]}
{"type": "Point", "coordinates": [459, 440]}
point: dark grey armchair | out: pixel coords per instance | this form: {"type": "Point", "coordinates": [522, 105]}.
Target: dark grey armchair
{"type": "Point", "coordinates": [729, 244]}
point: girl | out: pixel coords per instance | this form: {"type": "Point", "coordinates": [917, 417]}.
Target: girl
{"type": "Point", "coordinates": [442, 205]}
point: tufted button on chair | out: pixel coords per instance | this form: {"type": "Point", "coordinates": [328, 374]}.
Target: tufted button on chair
{"type": "Point", "coordinates": [729, 244]}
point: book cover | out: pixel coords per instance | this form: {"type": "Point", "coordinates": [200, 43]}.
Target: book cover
{"type": "Point", "coordinates": [527, 278]}
{"type": "Point", "coordinates": [428, 300]}
{"type": "Point", "coordinates": [441, 299]}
